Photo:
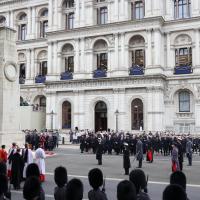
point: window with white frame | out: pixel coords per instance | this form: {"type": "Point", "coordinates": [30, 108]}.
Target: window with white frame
{"type": "Point", "coordinates": [184, 101]}
{"type": "Point", "coordinates": [68, 58]}
{"type": "Point", "coordinates": [101, 7]}
{"type": "Point", "coordinates": [43, 23]}
{"type": "Point", "coordinates": [183, 56]}
{"type": "Point", "coordinates": [137, 9]}
{"type": "Point", "coordinates": [137, 51]}
{"type": "Point", "coordinates": [69, 14]}
{"type": "Point", "coordinates": [22, 26]}
{"type": "Point", "coordinates": [42, 63]}
{"type": "Point", "coordinates": [182, 9]}
{"type": "Point", "coordinates": [101, 55]}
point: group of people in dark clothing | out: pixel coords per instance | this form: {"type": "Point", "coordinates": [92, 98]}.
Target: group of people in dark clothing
{"type": "Point", "coordinates": [48, 140]}
{"type": "Point", "coordinates": [135, 188]}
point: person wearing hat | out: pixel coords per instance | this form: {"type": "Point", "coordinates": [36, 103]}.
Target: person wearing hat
{"type": "Point", "coordinates": [139, 152]}
{"type": "Point", "coordinates": [189, 151]}
{"type": "Point", "coordinates": [99, 151]}
{"type": "Point", "coordinates": [126, 159]}
{"type": "Point", "coordinates": [175, 161]}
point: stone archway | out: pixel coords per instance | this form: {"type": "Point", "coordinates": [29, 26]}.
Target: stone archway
{"type": "Point", "coordinates": [137, 114]}
{"type": "Point", "coordinates": [101, 121]}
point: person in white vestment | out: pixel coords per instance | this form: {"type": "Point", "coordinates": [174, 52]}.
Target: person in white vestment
{"type": "Point", "coordinates": [39, 159]}
{"type": "Point", "coordinates": [27, 157]}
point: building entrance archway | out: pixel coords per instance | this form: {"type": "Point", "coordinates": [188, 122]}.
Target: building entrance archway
{"type": "Point", "coordinates": [137, 114]}
{"type": "Point", "coordinates": [101, 116]}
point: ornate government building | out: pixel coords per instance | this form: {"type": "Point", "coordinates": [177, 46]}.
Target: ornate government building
{"type": "Point", "coordinates": [118, 64]}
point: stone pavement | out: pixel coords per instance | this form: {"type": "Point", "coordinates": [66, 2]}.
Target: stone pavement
{"type": "Point", "coordinates": [78, 165]}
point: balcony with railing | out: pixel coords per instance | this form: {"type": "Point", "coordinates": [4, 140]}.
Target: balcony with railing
{"type": "Point", "coordinates": [183, 70]}
{"type": "Point", "coordinates": [136, 70]}
{"type": "Point", "coordinates": [40, 79]}
{"type": "Point", "coordinates": [99, 73]}
{"type": "Point", "coordinates": [66, 75]}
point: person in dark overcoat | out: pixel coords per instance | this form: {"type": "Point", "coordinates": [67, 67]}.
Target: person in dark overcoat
{"type": "Point", "coordinates": [189, 151]}
{"type": "Point", "coordinates": [17, 170]}
{"type": "Point", "coordinates": [139, 152]}
{"type": "Point", "coordinates": [99, 151]}
{"type": "Point", "coordinates": [126, 159]}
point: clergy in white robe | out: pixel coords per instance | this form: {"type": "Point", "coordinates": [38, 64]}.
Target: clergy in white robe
{"type": "Point", "coordinates": [27, 157]}
{"type": "Point", "coordinates": [39, 159]}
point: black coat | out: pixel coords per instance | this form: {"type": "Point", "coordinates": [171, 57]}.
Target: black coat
{"type": "Point", "coordinates": [99, 152]}
{"type": "Point", "coordinates": [126, 159]}
{"type": "Point", "coordinates": [17, 169]}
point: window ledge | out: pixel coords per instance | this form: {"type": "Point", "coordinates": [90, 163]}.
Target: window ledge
{"type": "Point", "coordinates": [184, 114]}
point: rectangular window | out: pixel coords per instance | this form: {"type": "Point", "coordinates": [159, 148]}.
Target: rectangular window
{"type": "Point", "coordinates": [43, 28]}
{"type": "Point", "coordinates": [182, 9]}
{"type": "Point", "coordinates": [102, 61]}
{"type": "Point", "coordinates": [22, 71]}
{"type": "Point", "coordinates": [184, 101]}
{"type": "Point", "coordinates": [69, 64]}
{"type": "Point", "coordinates": [138, 58]}
{"type": "Point", "coordinates": [43, 68]}
{"type": "Point", "coordinates": [102, 15]}
{"type": "Point", "coordinates": [22, 32]}
{"type": "Point", "coordinates": [183, 57]}
{"type": "Point", "coordinates": [137, 10]}
{"type": "Point", "coordinates": [70, 21]}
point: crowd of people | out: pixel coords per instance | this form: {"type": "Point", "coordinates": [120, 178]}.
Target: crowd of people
{"type": "Point", "coordinates": [48, 140]}
{"type": "Point", "coordinates": [135, 188]}
{"type": "Point", "coordinates": [20, 165]}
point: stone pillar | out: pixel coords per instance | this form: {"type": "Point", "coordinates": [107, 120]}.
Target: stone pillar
{"type": "Point", "coordinates": [75, 114]}
{"type": "Point", "coordinates": [50, 15]}
{"type": "Point", "coordinates": [29, 25]}
{"type": "Point", "coordinates": [126, 10]}
{"type": "Point", "coordinates": [77, 62]}
{"type": "Point", "coordinates": [60, 19]}
{"type": "Point", "coordinates": [196, 53]}
{"type": "Point", "coordinates": [55, 14]}
{"type": "Point", "coordinates": [116, 65]}
{"type": "Point", "coordinates": [55, 63]}
{"type": "Point", "coordinates": [33, 23]}
{"type": "Point", "coordinates": [116, 11]}
{"type": "Point", "coordinates": [32, 63]}
{"type": "Point", "coordinates": [149, 49]}
{"type": "Point", "coordinates": [148, 8]}
{"type": "Point", "coordinates": [195, 8]}
{"type": "Point", "coordinates": [59, 66]}
{"type": "Point", "coordinates": [28, 65]}
{"type": "Point", "coordinates": [122, 11]}
{"type": "Point", "coordinates": [11, 19]}
{"type": "Point", "coordinates": [169, 10]}
{"type": "Point", "coordinates": [82, 13]}
{"type": "Point", "coordinates": [50, 61]}
{"type": "Point", "coordinates": [121, 118]}
{"type": "Point", "coordinates": [9, 90]}
{"type": "Point", "coordinates": [77, 14]}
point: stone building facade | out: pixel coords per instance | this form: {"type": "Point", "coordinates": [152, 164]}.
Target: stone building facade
{"type": "Point", "coordinates": [118, 64]}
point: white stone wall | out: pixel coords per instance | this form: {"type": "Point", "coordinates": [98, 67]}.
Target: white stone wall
{"type": "Point", "coordinates": [159, 30]}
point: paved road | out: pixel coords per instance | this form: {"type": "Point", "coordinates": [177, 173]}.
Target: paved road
{"type": "Point", "coordinates": [78, 166]}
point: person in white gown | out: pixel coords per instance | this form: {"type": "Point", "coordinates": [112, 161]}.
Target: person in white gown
{"type": "Point", "coordinates": [27, 157]}
{"type": "Point", "coordinates": [40, 161]}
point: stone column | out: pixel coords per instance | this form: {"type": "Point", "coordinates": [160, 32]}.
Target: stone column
{"type": "Point", "coordinates": [82, 67]}
{"type": "Point", "coordinates": [76, 60]}
{"type": "Point", "coordinates": [116, 11]}
{"type": "Point", "coordinates": [55, 63]}
{"type": "Point", "coordinates": [50, 15]}
{"type": "Point", "coordinates": [148, 8]}
{"type": "Point", "coordinates": [157, 47]}
{"type": "Point", "coordinates": [59, 66]}
{"type": "Point", "coordinates": [195, 8]}
{"type": "Point", "coordinates": [82, 13]}
{"type": "Point", "coordinates": [32, 63]}
{"type": "Point", "coordinates": [149, 49]}
{"type": "Point", "coordinates": [55, 19]}
{"type": "Point", "coordinates": [123, 124]}
{"type": "Point", "coordinates": [116, 52]}
{"type": "Point", "coordinates": [50, 60]}
{"type": "Point", "coordinates": [123, 51]}
{"type": "Point", "coordinates": [28, 66]}
{"type": "Point", "coordinates": [169, 9]}
{"type": "Point", "coordinates": [122, 5]}
{"type": "Point", "coordinates": [33, 23]}
{"type": "Point", "coordinates": [77, 14]}
{"type": "Point", "coordinates": [29, 25]}
{"type": "Point", "coordinates": [60, 18]}
{"type": "Point", "coordinates": [126, 10]}
{"type": "Point", "coordinates": [75, 114]}
{"type": "Point", "coordinates": [196, 52]}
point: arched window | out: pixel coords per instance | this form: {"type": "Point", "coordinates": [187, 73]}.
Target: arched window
{"type": "Point", "coordinates": [22, 67]}
{"type": "Point", "coordinates": [66, 115]}
{"type": "Point", "coordinates": [184, 101]}
{"type": "Point", "coordinates": [42, 62]}
{"type": "Point", "coordinates": [68, 12]}
{"type": "Point", "coordinates": [182, 8]}
{"type": "Point", "coordinates": [137, 9]}
{"type": "Point", "coordinates": [137, 51]}
{"type": "Point", "coordinates": [101, 54]}
{"type": "Point", "coordinates": [2, 20]}
{"type": "Point", "coordinates": [68, 58]}
{"type": "Point", "coordinates": [43, 23]}
{"type": "Point", "coordinates": [137, 114]}
{"type": "Point", "coordinates": [22, 26]}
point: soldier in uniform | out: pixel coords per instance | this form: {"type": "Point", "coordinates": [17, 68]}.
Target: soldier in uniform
{"type": "Point", "coordinates": [139, 152]}
{"type": "Point", "coordinates": [189, 151]}
{"type": "Point", "coordinates": [99, 151]}
{"type": "Point", "coordinates": [126, 159]}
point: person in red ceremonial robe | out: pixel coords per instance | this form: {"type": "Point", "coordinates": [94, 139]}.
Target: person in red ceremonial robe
{"type": "Point", "coordinates": [3, 154]}
{"type": "Point", "coordinates": [149, 153]}
{"type": "Point", "coordinates": [175, 162]}
{"type": "Point", "coordinates": [40, 156]}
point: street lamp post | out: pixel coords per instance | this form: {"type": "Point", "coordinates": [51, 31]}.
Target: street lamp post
{"type": "Point", "coordinates": [52, 113]}
{"type": "Point", "coordinates": [117, 114]}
